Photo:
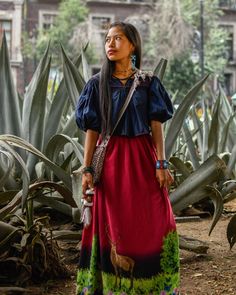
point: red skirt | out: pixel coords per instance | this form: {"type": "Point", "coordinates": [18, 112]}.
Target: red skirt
{"type": "Point", "coordinates": [131, 247]}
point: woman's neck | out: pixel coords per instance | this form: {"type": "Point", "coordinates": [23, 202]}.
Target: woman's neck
{"type": "Point", "coordinates": [123, 69]}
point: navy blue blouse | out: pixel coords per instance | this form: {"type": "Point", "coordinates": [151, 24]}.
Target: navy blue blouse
{"type": "Point", "coordinates": [150, 101]}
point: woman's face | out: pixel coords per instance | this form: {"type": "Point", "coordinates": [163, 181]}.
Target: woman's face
{"type": "Point", "coordinates": [117, 45]}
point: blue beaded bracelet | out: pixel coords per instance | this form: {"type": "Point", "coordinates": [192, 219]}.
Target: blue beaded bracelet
{"type": "Point", "coordinates": [162, 164]}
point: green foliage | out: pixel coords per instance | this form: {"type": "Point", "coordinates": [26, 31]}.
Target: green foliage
{"type": "Point", "coordinates": [170, 253]}
{"type": "Point", "coordinates": [180, 75]}
{"type": "Point", "coordinates": [175, 39]}
{"type": "Point", "coordinates": [88, 279]}
{"type": "Point", "coordinates": [154, 285]}
{"type": "Point", "coordinates": [70, 14]}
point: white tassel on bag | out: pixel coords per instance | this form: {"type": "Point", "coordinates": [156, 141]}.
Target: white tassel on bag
{"type": "Point", "coordinates": [86, 216]}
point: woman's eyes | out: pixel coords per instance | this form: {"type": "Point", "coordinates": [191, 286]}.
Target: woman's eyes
{"type": "Point", "coordinates": [109, 39]}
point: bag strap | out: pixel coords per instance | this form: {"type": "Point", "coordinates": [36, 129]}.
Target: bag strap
{"type": "Point", "coordinates": [128, 99]}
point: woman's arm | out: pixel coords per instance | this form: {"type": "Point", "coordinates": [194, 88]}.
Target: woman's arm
{"type": "Point", "coordinates": [89, 147]}
{"type": "Point", "coordinates": [163, 175]}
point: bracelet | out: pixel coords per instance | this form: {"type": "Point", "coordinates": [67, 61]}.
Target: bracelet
{"type": "Point", "coordinates": [88, 169]}
{"type": "Point", "coordinates": [162, 164]}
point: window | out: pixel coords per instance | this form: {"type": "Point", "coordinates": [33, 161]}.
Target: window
{"type": "Point", "coordinates": [228, 77]}
{"type": "Point", "coordinates": [227, 4]}
{"type": "Point", "coordinates": [101, 23]}
{"type": "Point", "coordinates": [47, 19]}
{"type": "Point", "coordinates": [230, 46]}
{"type": "Point", "coordinates": [229, 41]}
{"type": "Point", "coordinates": [6, 25]}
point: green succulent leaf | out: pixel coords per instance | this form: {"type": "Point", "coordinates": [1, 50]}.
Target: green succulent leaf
{"type": "Point", "coordinates": [73, 79]}
{"type": "Point", "coordinates": [160, 69]}
{"type": "Point", "coordinates": [56, 144]}
{"type": "Point", "coordinates": [33, 98]}
{"type": "Point", "coordinates": [191, 146]}
{"type": "Point", "coordinates": [231, 232]}
{"type": "Point", "coordinates": [180, 115]}
{"type": "Point", "coordinates": [8, 166]}
{"type": "Point", "coordinates": [217, 200]}
{"type": "Point", "coordinates": [225, 134]}
{"type": "Point", "coordinates": [192, 189]}
{"type": "Point", "coordinates": [21, 143]}
{"type": "Point", "coordinates": [213, 138]}
{"type": "Point", "coordinates": [25, 173]}
{"type": "Point", "coordinates": [10, 115]}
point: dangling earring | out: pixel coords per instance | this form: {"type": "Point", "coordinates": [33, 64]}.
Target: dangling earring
{"type": "Point", "coordinates": [133, 61]}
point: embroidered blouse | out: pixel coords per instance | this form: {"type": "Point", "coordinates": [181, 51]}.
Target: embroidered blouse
{"type": "Point", "coordinates": [150, 101]}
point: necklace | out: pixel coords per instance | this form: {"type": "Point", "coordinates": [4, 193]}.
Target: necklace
{"type": "Point", "coordinates": [122, 79]}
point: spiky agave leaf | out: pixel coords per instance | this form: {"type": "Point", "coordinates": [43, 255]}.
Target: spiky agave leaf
{"type": "Point", "coordinates": [192, 189]}
{"type": "Point", "coordinates": [231, 232]}
{"type": "Point", "coordinates": [180, 115]}
{"type": "Point", "coordinates": [56, 144]}
{"type": "Point", "coordinates": [10, 121]}
{"type": "Point", "coordinates": [191, 146]}
{"type": "Point", "coordinates": [213, 138]}
{"type": "Point", "coordinates": [73, 79]}
{"type": "Point", "coordinates": [34, 98]}
{"type": "Point", "coordinates": [85, 65]}
{"type": "Point", "coordinates": [25, 173]}
{"type": "Point", "coordinates": [59, 102]}
{"type": "Point", "coordinates": [217, 200]}
{"type": "Point", "coordinates": [37, 116]}
{"type": "Point", "coordinates": [198, 125]}
{"type": "Point", "coordinates": [225, 134]}
{"type": "Point", "coordinates": [160, 69]}
{"type": "Point", "coordinates": [21, 143]}
{"type": "Point", "coordinates": [6, 167]}
{"type": "Point", "coordinates": [64, 208]}
{"type": "Point", "coordinates": [232, 161]}
{"type": "Point", "coordinates": [225, 113]}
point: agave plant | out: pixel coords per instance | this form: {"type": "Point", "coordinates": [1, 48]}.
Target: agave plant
{"type": "Point", "coordinates": [37, 140]}
{"type": "Point", "coordinates": [49, 147]}
{"type": "Point", "coordinates": [205, 161]}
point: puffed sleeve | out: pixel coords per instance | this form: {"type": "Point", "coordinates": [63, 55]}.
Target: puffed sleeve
{"type": "Point", "coordinates": [87, 111]}
{"type": "Point", "coordinates": [160, 106]}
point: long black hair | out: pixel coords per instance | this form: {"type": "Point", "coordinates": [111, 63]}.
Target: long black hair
{"type": "Point", "coordinates": [106, 72]}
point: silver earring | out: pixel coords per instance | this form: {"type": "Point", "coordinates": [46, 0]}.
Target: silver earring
{"type": "Point", "coordinates": [133, 61]}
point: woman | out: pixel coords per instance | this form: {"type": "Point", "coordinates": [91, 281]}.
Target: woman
{"type": "Point", "coordinates": [131, 247]}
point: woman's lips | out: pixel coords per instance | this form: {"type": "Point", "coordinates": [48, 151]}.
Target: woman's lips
{"type": "Point", "coordinates": [110, 52]}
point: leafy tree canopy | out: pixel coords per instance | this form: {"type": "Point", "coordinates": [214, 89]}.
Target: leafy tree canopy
{"type": "Point", "coordinates": [71, 15]}
{"type": "Point", "coordinates": [175, 35]}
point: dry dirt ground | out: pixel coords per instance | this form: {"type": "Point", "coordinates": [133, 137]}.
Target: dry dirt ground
{"type": "Point", "coordinates": [212, 273]}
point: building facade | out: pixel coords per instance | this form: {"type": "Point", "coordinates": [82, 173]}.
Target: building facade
{"type": "Point", "coordinates": [228, 21]}
{"type": "Point", "coordinates": [19, 16]}
{"type": "Point", "coordinates": [102, 13]}
{"type": "Point", "coordinates": [11, 23]}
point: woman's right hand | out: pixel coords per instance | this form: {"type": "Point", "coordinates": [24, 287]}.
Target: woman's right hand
{"type": "Point", "coordinates": [87, 183]}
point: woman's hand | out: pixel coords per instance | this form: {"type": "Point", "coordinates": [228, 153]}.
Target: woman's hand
{"type": "Point", "coordinates": [164, 177]}
{"type": "Point", "coordinates": [87, 183]}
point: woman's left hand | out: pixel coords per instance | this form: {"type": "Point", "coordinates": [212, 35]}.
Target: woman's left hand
{"type": "Point", "coordinates": [164, 177]}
